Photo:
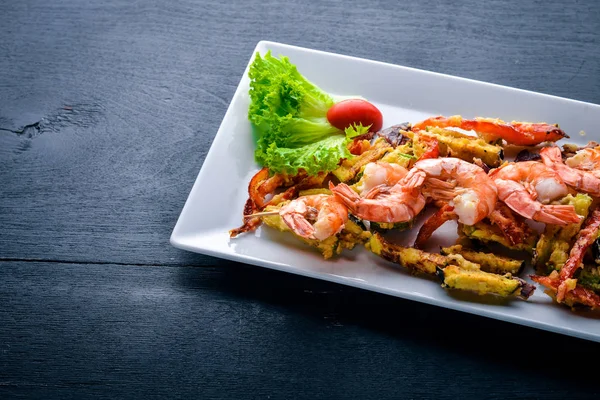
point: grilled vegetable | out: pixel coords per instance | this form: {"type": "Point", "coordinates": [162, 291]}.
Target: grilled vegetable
{"type": "Point", "coordinates": [455, 271]}
{"type": "Point", "coordinates": [513, 226]}
{"type": "Point", "coordinates": [401, 155]}
{"type": "Point", "coordinates": [384, 226]}
{"type": "Point", "coordinates": [487, 233]}
{"type": "Point", "coordinates": [584, 240]}
{"type": "Point", "coordinates": [484, 283]}
{"type": "Point", "coordinates": [590, 277]}
{"type": "Point", "coordinates": [308, 192]}
{"type": "Point", "coordinates": [456, 144]}
{"type": "Point", "coordinates": [395, 134]}
{"type": "Point", "coordinates": [552, 250]}
{"type": "Point", "coordinates": [526, 155]}
{"type": "Point", "coordinates": [349, 168]}
{"type": "Point", "coordinates": [576, 296]}
{"type": "Point", "coordinates": [489, 262]}
{"type": "Point", "coordinates": [413, 259]}
{"type": "Point", "coordinates": [596, 251]}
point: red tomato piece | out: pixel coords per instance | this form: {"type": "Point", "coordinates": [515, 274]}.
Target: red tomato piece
{"type": "Point", "coordinates": [355, 111]}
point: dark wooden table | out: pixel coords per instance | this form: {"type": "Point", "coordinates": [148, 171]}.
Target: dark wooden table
{"type": "Point", "coordinates": [107, 109]}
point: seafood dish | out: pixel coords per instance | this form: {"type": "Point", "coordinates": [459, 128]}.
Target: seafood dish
{"type": "Point", "coordinates": [524, 201]}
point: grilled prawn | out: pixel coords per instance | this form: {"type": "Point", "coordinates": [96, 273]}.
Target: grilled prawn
{"type": "Point", "coordinates": [527, 187]}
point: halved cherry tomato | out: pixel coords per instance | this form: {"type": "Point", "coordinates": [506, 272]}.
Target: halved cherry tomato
{"type": "Point", "coordinates": [355, 111]}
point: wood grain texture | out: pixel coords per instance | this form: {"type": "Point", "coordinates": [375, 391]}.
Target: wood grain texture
{"type": "Point", "coordinates": [149, 332]}
{"type": "Point", "coordinates": [107, 110]}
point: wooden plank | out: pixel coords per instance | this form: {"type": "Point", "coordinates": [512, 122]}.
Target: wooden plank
{"type": "Point", "coordinates": [113, 331]}
{"type": "Point", "coordinates": [118, 102]}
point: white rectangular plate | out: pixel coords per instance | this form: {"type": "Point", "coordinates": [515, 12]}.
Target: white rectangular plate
{"type": "Point", "coordinates": [215, 203]}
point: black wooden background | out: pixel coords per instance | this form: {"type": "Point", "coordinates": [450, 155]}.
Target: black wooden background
{"type": "Point", "coordinates": [107, 109]}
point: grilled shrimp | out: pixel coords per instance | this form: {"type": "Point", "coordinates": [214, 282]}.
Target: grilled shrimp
{"type": "Point", "coordinates": [491, 129]}
{"type": "Point", "coordinates": [587, 159]}
{"type": "Point", "coordinates": [383, 203]}
{"type": "Point", "coordinates": [526, 187]}
{"type": "Point", "coordinates": [380, 173]}
{"type": "Point", "coordinates": [463, 185]}
{"type": "Point", "coordinates": [581, 171]}
{"type": "Point", "coordinates": [329, 214]}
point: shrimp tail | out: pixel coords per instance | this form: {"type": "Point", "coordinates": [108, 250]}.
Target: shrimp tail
{"type": "Point", "coordinates": [376, 191]}
{"type": "Point", "coordinates": [413, 180]}
{"type": "Point", "coordinates": [557, 214]}
{"type": "Point", "coordinates": [444, 214]}
{"type": "Point", "coordinates": [299, 225]}
{"type": "Point", "coordinates": [343, 192]}
{"type": "Point", "coordinates": [439, 189]}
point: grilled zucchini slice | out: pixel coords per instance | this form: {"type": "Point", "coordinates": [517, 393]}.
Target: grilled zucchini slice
{"type": "Point", "coordinates": [489, 262]}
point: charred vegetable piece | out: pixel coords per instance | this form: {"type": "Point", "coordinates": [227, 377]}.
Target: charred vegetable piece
{"type": "Point", "coordinates": [462, 274]}
{"type": "Point", "coordinates": [584, 240]}
{"type": "Point", "coordinates": [349, 168]}
{"type": "Point", "coordinates": [596, 251]}
{"type": "Point", "coordinates": [413, 259]}
{"type": "Point", "coordinates": [384, 226]}
{"type": "Point", "coordinates": [456, 144]}
{"type": "Point", "coordinates": [513, 226]}
{"type": "Point", "coordinates": [590, 277]}
{"type": "Point", "coordinates": [309, 192]}
{"type": "Point", "coordinates": [552, 250]}
{"type": "Point", "coordinates": [484, 283]}
{"type": "Point", "coordinates": [526, 155]}
{"type": "Point", "coordinates": [578, 295]}
{"type": "Point", "coordinates": [352, 235]}
{"type": "Point", "coordinates": [487, 233]}
{"type": "Point", "coordinates": [395, 135]}
{"type": "Point", "coordinates": [489, 262]}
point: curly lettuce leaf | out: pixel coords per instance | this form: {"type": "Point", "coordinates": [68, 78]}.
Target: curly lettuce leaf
{"type": "Point", "coordinates": [289, 114]}
{"type": "Point", "coordinates": [323, 155]}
